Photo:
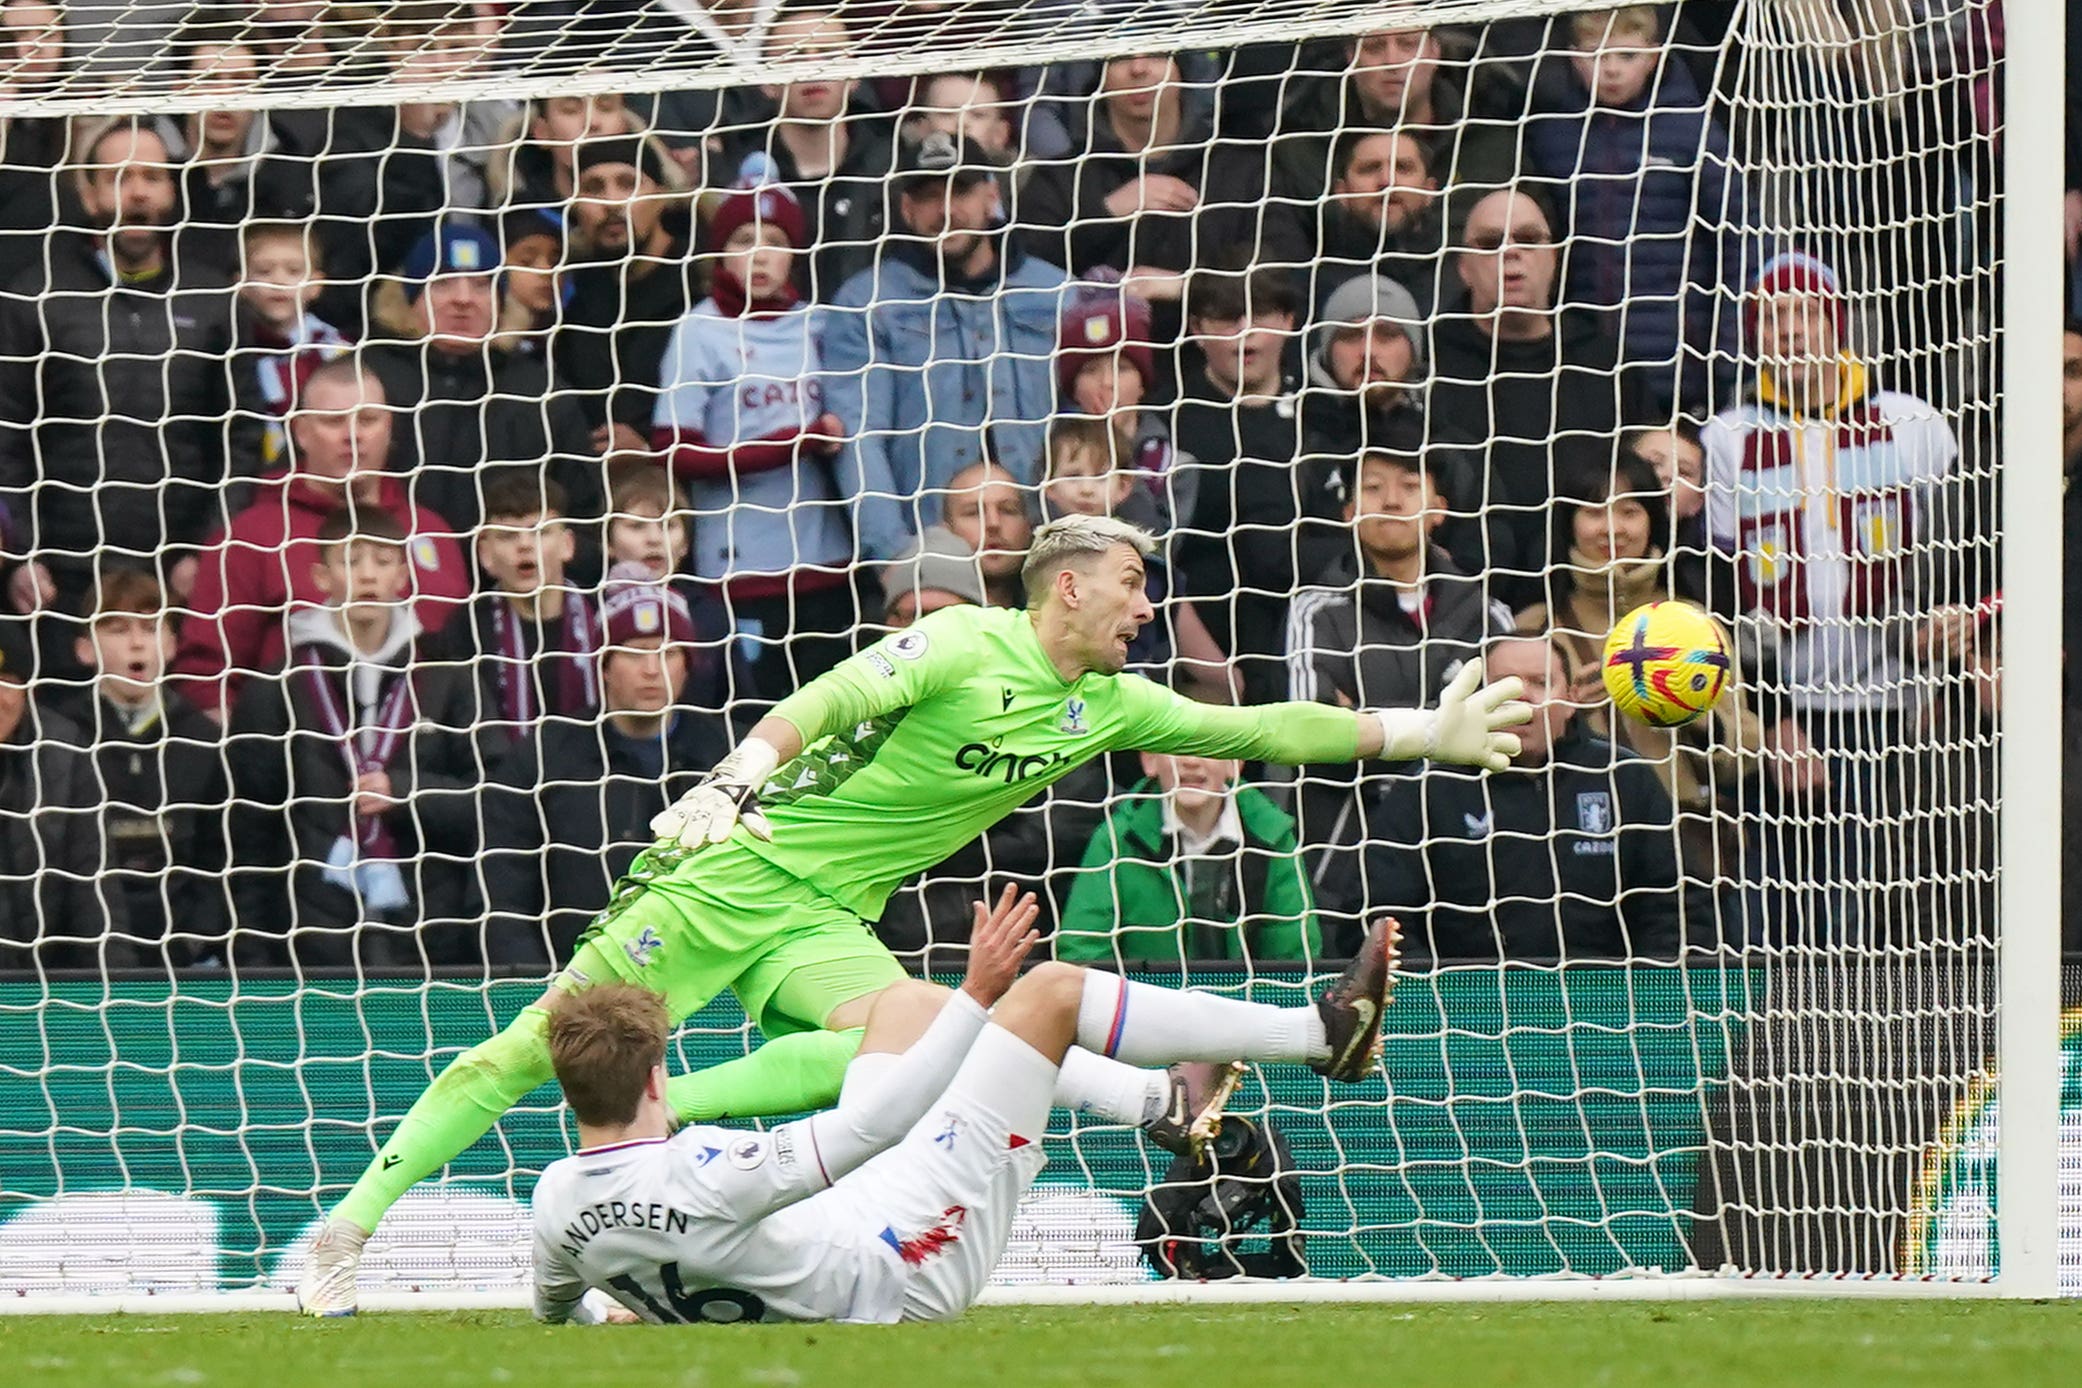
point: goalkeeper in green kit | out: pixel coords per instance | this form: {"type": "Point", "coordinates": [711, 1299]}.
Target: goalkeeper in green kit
{"type": "Point", "coordinates": [765, 875]}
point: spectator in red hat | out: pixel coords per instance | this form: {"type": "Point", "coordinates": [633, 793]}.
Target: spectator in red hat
{"type": "Point", "coordinates": [741, 418]}
{"type": "Point", "coordinates": [1105, 368]}
{"type": "Point", "coordinates": [599, 786]}
{"type": "Point", "coordinates": [1837, 503]}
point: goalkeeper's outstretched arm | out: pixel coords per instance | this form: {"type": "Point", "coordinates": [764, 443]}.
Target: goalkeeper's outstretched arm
{"type": "Point", "coordinates": [1469, 727]}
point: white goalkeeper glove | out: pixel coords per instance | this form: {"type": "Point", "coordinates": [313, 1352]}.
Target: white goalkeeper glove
{"type": "Point", "coordinates": [723, 799]}
{"type": "Point", "coordinates": [1466, 728]}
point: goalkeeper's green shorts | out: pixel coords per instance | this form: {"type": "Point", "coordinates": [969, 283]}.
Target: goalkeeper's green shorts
{"type": "Point", "coordinates": [686, 926]}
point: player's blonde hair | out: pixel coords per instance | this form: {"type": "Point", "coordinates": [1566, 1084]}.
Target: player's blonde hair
{"type": "Point", "coordinates": [1073, 540]}
{"type": "Point", "coordinates": [602, 1044]}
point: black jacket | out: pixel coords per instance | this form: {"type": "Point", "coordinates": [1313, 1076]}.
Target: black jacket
{"type": "Point", "coordinates": [570, 808]}
{"type": "Point", "coordinates": [118, 395]}
{"type": "Point", "coordinates": [55, 911]}
{"type": "Point", "coordinates": [269, 187]}
{"type": "Point", "coordinates": [1239, 549]}
{"type": "Point", "coordinates": [31, 148]}
{"type": "Point", "coordinates": [1537, 409]}
{"type": "Point", "coordinates": [456, 413]}
{"type": "Point", "coordinates": [292, 794]}
{"type": "Point", "coordinates": [378, 191]}
{"type": "Point", "coordinates": [1579, 858]}
{"type": "Point", "coordinates": [1064, 219]}
{"type": "Point", "coordinates": [613, 332]}
{"type": "Point", "coordinates": [163, 819]}
{"type": "Point", "coordinates": [1413, 257]}
{"type": "Point", "coordinates": [1350, 642]}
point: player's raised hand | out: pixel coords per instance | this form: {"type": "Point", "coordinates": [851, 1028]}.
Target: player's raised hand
{"type": "Point", "coordinates": [1000, 939]}
{"type": "Point", "coordinates": [720, 801]}
{"type": "Point", "coordinates": [1468, 727]}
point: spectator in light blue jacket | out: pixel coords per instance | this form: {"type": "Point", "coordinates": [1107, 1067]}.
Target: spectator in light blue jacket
{"type": "Point", "coordinates": [939, 355]}
{"type": "Point", "coordinates": [1655, 223]}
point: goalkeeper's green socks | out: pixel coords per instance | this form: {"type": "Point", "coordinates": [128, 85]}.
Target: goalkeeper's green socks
{"type": "Point", "coordinates": [789, 1074]}
{"type": "Point", "coordinates": [459, 1107]}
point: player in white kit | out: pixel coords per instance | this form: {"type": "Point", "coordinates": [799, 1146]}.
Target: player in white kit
{"type": "Point", "coordinates": [896, 1204]}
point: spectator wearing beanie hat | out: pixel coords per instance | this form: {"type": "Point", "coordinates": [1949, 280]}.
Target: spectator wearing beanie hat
{"type": "Point", "coordinates": [533, 241]}
{"type": "Point", "coordinates": [741, 419]}
{"type": "Point", "coordinates": [1835, 501]}
{"type": "Point", "coordinates": [1371, 356]}
{"type": "Point", "coordinates": [634, 278]}
{"type": "Point", "coordinates": [462, 398]}
{"type": "Point", "coordinates": [1105, 367]}
{"type": "Point", "coordinates": [941, 572]}
{"type": "Point", "coordinates": [599, 786]}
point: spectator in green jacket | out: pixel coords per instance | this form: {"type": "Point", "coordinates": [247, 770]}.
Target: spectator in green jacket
{"type": "Point", "coordinates": [1191, 866]}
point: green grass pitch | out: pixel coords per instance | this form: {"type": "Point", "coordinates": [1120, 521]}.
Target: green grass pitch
{"type": "Point", "coordinates": [1675, 1345]}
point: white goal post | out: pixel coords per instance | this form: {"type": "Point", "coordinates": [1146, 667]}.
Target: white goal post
{"type": "Point", "coordinates": [1855, 1067]}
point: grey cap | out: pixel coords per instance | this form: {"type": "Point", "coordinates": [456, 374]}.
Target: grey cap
{"type": "Point", "coordinates": [942, 562]}
{"type": "Point", "coordinates": [939, 155]}
{"type": "Point", "coordinates": [1375, 298]}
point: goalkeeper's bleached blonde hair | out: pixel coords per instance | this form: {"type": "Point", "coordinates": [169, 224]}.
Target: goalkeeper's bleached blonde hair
{"type": "Point", "coordinates": [1072, 540]}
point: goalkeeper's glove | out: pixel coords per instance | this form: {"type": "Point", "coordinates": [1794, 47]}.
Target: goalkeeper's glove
{"type": "Point", "coordinates": [721, 800]}
{"type": "Point", "coordinates": [1467, 727]}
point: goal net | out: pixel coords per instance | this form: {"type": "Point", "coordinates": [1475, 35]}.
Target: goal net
{"type": "Point", "coordinates": [431, 433]}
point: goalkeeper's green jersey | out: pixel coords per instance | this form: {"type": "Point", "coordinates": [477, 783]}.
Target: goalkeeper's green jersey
{"type": "Point", "coordinates": [949, 725]}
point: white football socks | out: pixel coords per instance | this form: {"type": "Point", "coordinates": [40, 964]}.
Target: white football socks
{"type": "Point", "coordinates": [1139, 1024]}
{"type": "Point", "coordinates": [1101, 1088]}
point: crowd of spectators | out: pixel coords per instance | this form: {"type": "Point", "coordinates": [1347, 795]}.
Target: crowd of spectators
{"type": "Point", "coordinates": [399, 504]}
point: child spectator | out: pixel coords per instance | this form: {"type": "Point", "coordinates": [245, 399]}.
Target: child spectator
{"type": "Point", "coordinates": [252, 572]}
{"type": "Point", "coordinates": [1654, 224]}
{"type": "Point", "coordinates": [646, 519]}
{"type": "Point", "coordinates": [1084, 479]}
{"type": "Point", "coordinates": [1190, 866]}
{"type": "Point", "coordinates": [355, 768]}
{"type": "Point", "coordinates": [161, 774]}
{"type": "Point", "coordinates": [536, 636]}
{"type": "Point", "coordinates": [573, 803]}
{"type": "Point", "coordinates": [536, 287]}
{"type": "Point", "coordinates": [741, 419]}
{"type": "Point", "coordinates": [1106, 368]}
{"type": "Point", "coordinates": [646, 537]}
{"type": "Point", "coordinates": [279, 339]}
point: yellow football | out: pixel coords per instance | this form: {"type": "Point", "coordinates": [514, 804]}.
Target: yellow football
{"type": "Point", "coordinates": [1665, 663]}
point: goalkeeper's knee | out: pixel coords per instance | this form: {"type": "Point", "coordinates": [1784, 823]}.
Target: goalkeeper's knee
{"type": "Point", "coordinates": [499, 1072]}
